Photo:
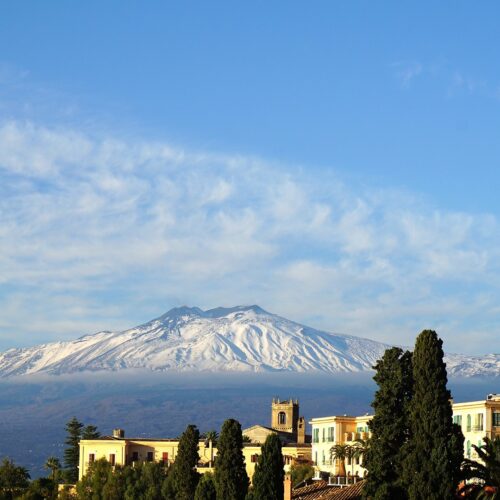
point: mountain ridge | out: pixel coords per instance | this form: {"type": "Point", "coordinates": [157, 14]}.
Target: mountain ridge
{"type": "Point", "coordinates": [222, 339]}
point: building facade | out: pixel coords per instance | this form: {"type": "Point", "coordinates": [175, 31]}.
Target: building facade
{"type": "Point", "coordinates": [330, 431]}
{"type": "Point", "coordinates": [477, 419]}
{"type": "Point", "coordinates": [118, 449]}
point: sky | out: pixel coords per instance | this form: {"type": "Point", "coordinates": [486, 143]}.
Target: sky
{"type": "Point", "coordinates": [335, 163]}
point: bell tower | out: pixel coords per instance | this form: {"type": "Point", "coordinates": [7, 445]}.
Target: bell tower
{"type": "Point", "coordinates": [285, 416]}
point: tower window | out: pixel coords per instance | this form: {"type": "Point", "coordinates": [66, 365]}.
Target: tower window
{"type": "Point", "coordinates": [281, 418]}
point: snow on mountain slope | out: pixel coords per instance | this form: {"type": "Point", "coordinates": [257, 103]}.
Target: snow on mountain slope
{"type": "Point", "coordinates": [221, 339]}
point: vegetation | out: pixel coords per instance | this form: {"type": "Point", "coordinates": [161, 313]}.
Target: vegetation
{"type": "Point", "coordinates": [206, 488]}
{"type": "Point", "coordinates": [300, 473]}
{"type": "Point", "coordinates": [184, 475]}
{"type": "Point", "coordinates": [483, 477]}
{"type": "Point", "coordinates": [14, 479]}
{"type": "Point", "coordinates": [54, 465]}
{"type": "Point", "coordinates": [269, 474]}
{"type": "Point", "coordinates": [389, 426]}
{"type": "Point", "coordinates": [72, 452]}
{"type": "Point", "coordinates": [230, 474]}
{"type": "Point", "coordinates": [434, 449]}
{"type": "Point", "coordinates": [340, 452]}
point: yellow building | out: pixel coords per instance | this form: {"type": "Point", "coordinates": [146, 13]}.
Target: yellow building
{"type": "Point", "coordinates": [478, 419]}
{"type": "Point", "coordinates": [121, 450]}
{"type": "Point", "coordinates": [330, 431]}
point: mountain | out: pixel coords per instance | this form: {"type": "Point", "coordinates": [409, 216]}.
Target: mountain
{"type": "Point", "coordinates": [188, 339]}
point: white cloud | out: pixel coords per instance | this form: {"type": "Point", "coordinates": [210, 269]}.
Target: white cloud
{"type": "Point", "coordinates": [96, 232]}
{"type": "Point", "coordinates": [406, 71]}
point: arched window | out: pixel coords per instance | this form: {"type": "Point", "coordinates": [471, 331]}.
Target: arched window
{"type": "Point", "coordinates": [281, 418]}
{"type": "Point", "coordinates": [469, 423]}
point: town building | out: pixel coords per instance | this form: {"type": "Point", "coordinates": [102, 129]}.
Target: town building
{"type": "Point", "coordinates": [330, 431]}
{"type": "Point", "coordinates": [477, 419]}
{"type": "Point", "coordinates": [121, 450]}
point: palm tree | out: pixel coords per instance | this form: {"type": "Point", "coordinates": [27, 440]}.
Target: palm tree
{"type": "Point", "coordinates": [340, 452]}
{"type": "Point", "coordinates": [361, 447]}
{"type": "Point", "coordinates": [211, 441]}
{"type": "Point", "coordinates": [485, 476]}
{"type": "Point", "coordinates": [54, 465]}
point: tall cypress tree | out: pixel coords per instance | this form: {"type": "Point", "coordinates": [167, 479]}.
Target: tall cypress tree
{"type": "Point", "coordinates": [72, 452]}
{"type": "Point", "coordinates": [435, 448]}
{"type": "Point", "coordinates": [269, 474]}
{"type": "Point", "coordinates": [185, 477]}
{"type": "Point", "coordinates": [389, 426]}
{"type": "Point", "coordinates": [231, 478]}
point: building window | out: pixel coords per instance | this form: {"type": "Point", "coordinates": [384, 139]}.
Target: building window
{"type": "Point", "coordinates": [315, 435]}
{"type": "Point", "coordinates": [281, 418]}
{"type": "Point", "coordinates": [478, 422]}
{"type": "Point", "coordinates": [468, 449]}
{"type": "Point", "coordinates": [316, 458]}
{"type": "Point", "coordinates": [150, 456]}
{"type": "Point", "coordinates": [164, 456]}
{"type": "Point", "coordinates": [91, 458]}
{"type": "Point", "coordinates": [331, 434]}
{"type": "Point", "coordinates": [112, 458]}
{"type": "Point", "coordinates": [135, 456]}
{"type": "Point", "coordinates": [469, 423]}
{"type": "Point", "coordinates": [323, 433]}
{"type": "Point", "coordinates": [457, 419]}
{"type": "Point", "coordinates": [254, 458]}
{"type": "Point", "coordinates": [496, 419]}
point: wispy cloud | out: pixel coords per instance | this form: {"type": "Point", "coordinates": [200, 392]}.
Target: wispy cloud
{"type": "Point", "coordinates": [97, 232]}
{"type": "Point", "coordinates": [407, 71]}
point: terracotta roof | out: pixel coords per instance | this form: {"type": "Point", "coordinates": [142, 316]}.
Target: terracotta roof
{"type": "Point", "coordinates": [319, 490]}
{"type": "Point", "coordinates": [311, 492]}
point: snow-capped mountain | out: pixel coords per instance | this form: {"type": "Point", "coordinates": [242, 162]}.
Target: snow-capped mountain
{"type": "Point", "coordinates": [222, 339]}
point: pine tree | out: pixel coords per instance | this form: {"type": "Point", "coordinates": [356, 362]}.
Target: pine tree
{"type": "Point", "coordinates": [206, 488]}
{"type": "Point", "coordinates": [90, 432]}
{"type": "Point", "coordinates": [435, 447]}
{"type": "Point", "coordinates": [72, 452]}
{"type": "Point", "coordinates": [185, 477]}
{"type": "Point", "coordinates": [389, 426]}
{"type": "Point", "coordinates": [231, 479]}
{"type": "Point", "coordinates": [269, 474]}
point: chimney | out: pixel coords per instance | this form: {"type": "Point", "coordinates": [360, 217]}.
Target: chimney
{"type": "Point", "coordinates": [287, 487]}
{"type": "Point", "coordinates": [118, 433]}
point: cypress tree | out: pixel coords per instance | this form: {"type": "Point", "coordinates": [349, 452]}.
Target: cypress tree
{"type": "Point", "coordinates": [206, 488]}
{"type": "Point", "coordinates": [72, 452]}
{"type": "Point", "coordinates": [435, 448]}
{"type": "Point", "coordinates": [389, 426]}
{"type": "Point", "coordinates": [231, 480]}
{"type": "Point", "coordinates": [185, 477]}
{"type": "Point", "coordinates": [269, 474]}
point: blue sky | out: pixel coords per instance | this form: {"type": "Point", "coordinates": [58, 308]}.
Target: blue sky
{"type": "Point", "coordinates": [334, 163]}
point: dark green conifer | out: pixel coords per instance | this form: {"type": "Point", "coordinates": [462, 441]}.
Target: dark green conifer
{"type": "Point", "coordinates": [389, 426]}
{"type": "Point", "coordinates": [72, 451]}
{"type": "Point", "coordinates": [184, 475]}
{"type": "Point", "coordinates": [206, 488]}
{"type": "Point", "coordinates": [435, 448]}
{"type": "Point", "coordinates": [269, 474]}
{"type": "Point", "coordinates": [90, 432]}
{"type": "Point", "coordinates": [231, 479]}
